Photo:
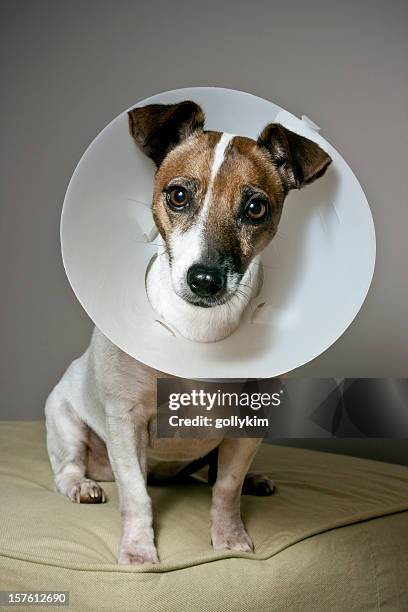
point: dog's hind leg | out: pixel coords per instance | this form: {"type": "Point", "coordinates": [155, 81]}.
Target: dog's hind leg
{"type": "Point", "coordinates": [67, 444]}
{"type": "Point", "coordinates": [258, 484]}
{"type": "Point", "coordinates": [98, 465]}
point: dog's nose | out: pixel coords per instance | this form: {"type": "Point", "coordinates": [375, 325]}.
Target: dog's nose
{"type": "Point", "coordinates": [204, 281]}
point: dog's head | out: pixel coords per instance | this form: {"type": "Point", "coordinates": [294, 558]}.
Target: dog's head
{"type": "Point", "coordinates": [217, 197]}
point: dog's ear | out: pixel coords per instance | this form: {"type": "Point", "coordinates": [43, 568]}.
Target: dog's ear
{"type": "Point", "coordinates": [299, 160]}
{"type": "Point", "coordinates": [157, 128]}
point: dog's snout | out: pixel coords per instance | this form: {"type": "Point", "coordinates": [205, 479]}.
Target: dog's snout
{"type": "Point", "coordinates": [205, 281]}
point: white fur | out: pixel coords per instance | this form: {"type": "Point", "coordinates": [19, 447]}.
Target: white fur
{"type": "Point", "coordinates": [219, 156]}
{"type": "Point", "coordinates": [194, 322]}
{"type": "Point", "coordinates": [108, 393]}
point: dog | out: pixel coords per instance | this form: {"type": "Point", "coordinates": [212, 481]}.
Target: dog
{"type": "Point", "coordinates": [217, 203]}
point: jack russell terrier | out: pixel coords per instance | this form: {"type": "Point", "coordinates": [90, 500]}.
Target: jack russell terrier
{"type": "Point", "coordinates": [217, 203]}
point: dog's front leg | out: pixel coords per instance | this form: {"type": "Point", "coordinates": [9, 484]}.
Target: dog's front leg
{"type": "Point", "coordinates": [234, 459]}
{"type": "Point", "coordinates": [127, 439]}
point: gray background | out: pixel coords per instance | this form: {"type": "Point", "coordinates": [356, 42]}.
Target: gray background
{"type": "Point", "coordinates": [69, 67]}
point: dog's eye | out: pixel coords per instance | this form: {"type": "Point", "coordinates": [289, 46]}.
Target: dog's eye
{"type": "Point", "coordinates": [256, 210]}
{"type": "Point", "coordinates": [177, 197]}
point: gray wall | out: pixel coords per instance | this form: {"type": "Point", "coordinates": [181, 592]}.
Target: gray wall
{"type": "Point", "coordinates": [69, 67]}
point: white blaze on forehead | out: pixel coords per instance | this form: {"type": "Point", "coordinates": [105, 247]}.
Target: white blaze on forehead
{"type": "Point", "coordinates": [187, 247]}
{"type": "Point", "coordinates": [219, 156]}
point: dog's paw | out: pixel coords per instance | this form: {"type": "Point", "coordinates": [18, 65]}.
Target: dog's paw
{"type": "Point", "coordinates": [87, 492]}
{"type": "Point", "coordinates": [138, 554]}
{"type": "Point", "coordinates": [231, 537]}
{"type": "Point", "coordinates": [258, 484]}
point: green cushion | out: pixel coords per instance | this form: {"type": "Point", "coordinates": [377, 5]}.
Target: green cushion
{"type": "Point", "coordinates": [334, 536]}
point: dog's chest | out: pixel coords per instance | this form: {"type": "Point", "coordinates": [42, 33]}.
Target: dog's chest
{"type": "Point", "coordinates": [178, 449]}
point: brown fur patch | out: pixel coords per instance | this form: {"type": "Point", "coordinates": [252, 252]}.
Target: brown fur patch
{"type": "Point", "coordinates": [245, 164]}
{"type": "Point", "coordinates": [193, 160]}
